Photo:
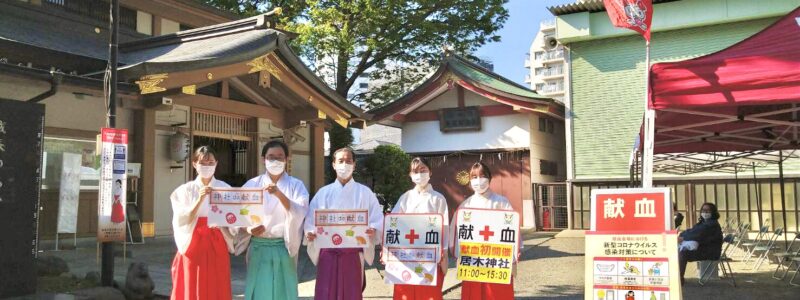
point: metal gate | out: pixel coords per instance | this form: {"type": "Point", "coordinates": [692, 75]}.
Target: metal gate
{"type": "Point", "coordinates": [551, 205]}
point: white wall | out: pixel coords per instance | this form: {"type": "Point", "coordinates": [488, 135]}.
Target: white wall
{"type": "Point", "coordinates": [168, 26]}
{"type": "Point", "coordinates": [509, 131]}
{"type": "Point", "coordinates": [547, 146]}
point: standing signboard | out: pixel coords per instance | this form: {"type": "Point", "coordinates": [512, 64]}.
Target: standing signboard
{"type": "Point", "coordinates": [21, 133]}
{"type": "Point", "coordinates": [68, 191]}
{"type": "Point", "coordinates": [486, 244]}
{"type": "Point", "coordinates": [341, 228]}
{"type": "Point", "coordinates": [412, 248]}
{"type": "Point", "coordinates": [113, 180]}
{"type": "Point", "coordinates": [631, 249]}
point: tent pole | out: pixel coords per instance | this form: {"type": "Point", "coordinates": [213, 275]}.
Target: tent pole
{"type": "Point", "coordinates": [783, 197]}
{"type": "Point", "coordinates": [649, 125]}
{"type": "Point", "coordinates": [736, 184]}
{"type": "Point", "coordinates": [758, 197]}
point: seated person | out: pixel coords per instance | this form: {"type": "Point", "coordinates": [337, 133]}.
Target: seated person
{"type": "Point", "coordinates": [703, 241]}
{"type": "Point", "coordinates": [678, 216]}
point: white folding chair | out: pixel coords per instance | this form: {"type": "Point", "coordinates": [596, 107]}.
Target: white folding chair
{"type": "Point", "coordinates": [792, 251]}
{"type": "Point", "coordinates": [765, 248]}
{"type": "Point", "coordinates": [723, 263]}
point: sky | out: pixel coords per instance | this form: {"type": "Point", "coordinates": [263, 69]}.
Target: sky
{"type": "Point", "coordinates": [516, 36]}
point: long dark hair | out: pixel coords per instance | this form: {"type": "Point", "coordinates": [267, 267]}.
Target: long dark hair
{"type": "Point", "coordinates": [714, 212]}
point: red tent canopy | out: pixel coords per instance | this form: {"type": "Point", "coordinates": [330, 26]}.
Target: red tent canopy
{"type": "Point", "coordinates": [745, 97]}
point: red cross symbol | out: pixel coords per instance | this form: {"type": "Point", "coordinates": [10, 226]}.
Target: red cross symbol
{"type": "Point", "coordinates": [411, 236]}
{"type": "Point", "coordinates": [486, 233]}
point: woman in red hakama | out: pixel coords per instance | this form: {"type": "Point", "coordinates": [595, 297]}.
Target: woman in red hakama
{"type": "Point", "coordinates": [480, 177]}
{"type": "Point", "coordinates": [201, 268]}
{"type": "Point", "coordinates": [423, 199]}
{"type": "Point", "coordinates": [117, 213]}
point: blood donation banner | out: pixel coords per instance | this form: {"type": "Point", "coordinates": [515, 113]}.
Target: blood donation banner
{"type": "Point", "coordinates": [631, 251]}
{"type": "Point", "coordinates": [113, 181]}
{"type": "Point", "coordinates": [412, 248]}
{"type": "Point", "coordinates": [341, 228]}
{"type": "Point", "coordinates": [486, 244]}
{"type": "Point", "coordinates": [236, 207]}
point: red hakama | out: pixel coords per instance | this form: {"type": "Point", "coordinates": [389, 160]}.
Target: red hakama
{"type": "Point", "coordinates": [478, 291]}
{"type": "Point", "coordinates": [420, 292]}
{"type": "Point", "coordinates": [204, 271]}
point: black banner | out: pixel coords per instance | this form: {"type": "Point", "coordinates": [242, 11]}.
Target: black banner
{"type": "Point", "coordinates": [21, 134]}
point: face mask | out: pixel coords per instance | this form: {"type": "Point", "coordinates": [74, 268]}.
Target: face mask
{"type": "Point", "coordinates": [343, 170]}
{"type": "Point", "coordinates": [479, 185]}
{"type": "Point", "coordinates": [420, 179]}
{"type": "Point", "coordinates": [206, 171]}
{"type": "Point", "coordinates": [274, 167]}
{"type": "Point", "coordinates": [705, 216]}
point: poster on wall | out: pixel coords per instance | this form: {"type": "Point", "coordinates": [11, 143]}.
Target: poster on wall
{"type": "Point", "coordinates": [631, 249]}
{"type": "Point", "coordinates": [113, 180]}
{"type": "Point", "coordinates": [341, 228]}
{"type": "Point", "coordinates": [486, 244]}
{"type": "Point", "coordinates": [412, 248]}
{"type": "Point", "coordinates": [68, 192]}
{"type": "Point", "coordinates": [21, 134]}
{"type": "Point", "coordinates": [237, 207]}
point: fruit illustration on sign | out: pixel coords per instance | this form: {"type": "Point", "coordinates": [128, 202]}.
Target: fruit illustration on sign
{"type": "Point", "coordinates": [349, 232]}
{"type": "Point", "coordinates": [244, 211]}
{"type": "Point", "coordinates": [361, 240]}
{"type": "Point", "coordinates": [428, 277]}
{"type": "Point", "coordinates": [231, 218]}
{"type": "Point", "coordinates": [336, 239]}
{"type": "Point", "coordinates": [418, 269]}
{"type": "Point", "coordinates": [255, 219]}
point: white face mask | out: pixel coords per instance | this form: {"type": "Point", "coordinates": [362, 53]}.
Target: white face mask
{"type": "Point", "coordinates": [343, 170]}
{"type": "Point", "coordinates": [205, 171]}
{"type": "Point", "coordinates": [479, 185]}
{"type": "Point", "coordinates": [705, 216]}
{"type": "Point", "coordinates": [420, 179]}
{"type": "Point", "coordinates": [274, 167]}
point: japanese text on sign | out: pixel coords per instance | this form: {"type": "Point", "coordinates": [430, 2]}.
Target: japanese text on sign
{"type": "Point", "coordinates": [236, 207]}
{"type": "Point", "coordinates": [486, 244]}
{"type": "Point", "coordinates": [412, 248]}
{"type": "Point", "coordinates": [341, 228]}
{"type": "Point", "coordinates": [113, 181]}
{"type": "Point", "coordinates": [631, 210]}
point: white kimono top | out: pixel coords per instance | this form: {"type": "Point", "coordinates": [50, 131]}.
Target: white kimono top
{"type": "Point", "coordinates": [352, 195]}
{"type": "Point", "coordinates": [182, 225]}
{"type": "Point", "coordinates": [278, 222]}
{"type": "Point", "coordinates": [426, 200]}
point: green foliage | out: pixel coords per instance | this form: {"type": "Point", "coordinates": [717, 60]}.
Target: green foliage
{"type": "Point", "coordinates": [388, 169]}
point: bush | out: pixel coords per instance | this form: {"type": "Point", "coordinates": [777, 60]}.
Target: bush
{"type": "Point", "coordinates": [387, 169]}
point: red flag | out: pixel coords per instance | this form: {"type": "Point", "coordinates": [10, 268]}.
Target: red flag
{"type": "Point", "coordinates": [632, 14]}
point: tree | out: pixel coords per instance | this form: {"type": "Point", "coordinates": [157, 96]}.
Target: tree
{"type": "Point", "coordinates": [388, 169]}
{"type": "Point", "coordinates": [343, 39]}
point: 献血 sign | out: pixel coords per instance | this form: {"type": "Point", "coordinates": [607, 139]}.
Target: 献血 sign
{"type": "Point", "coordinates": [630, 210]}
{"type": "Point", "coordinates": [113, 181]}
{"type": "Point", "coordinates": [486, 244]}
{"type": "Point", "coordinates": [236, 207]}
{"type": "Point", "coordinates": [412, 248]}
{"type": "Point", "coordinates": [631, 249]}
{"type": "Point", "coordinates": [341, 228]}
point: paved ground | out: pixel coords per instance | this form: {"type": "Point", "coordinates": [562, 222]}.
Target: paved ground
{"type": "Point", "coordinates": [550, 268]}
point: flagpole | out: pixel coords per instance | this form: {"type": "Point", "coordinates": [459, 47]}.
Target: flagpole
{"type": "Point", "coordinates": [649, 125]}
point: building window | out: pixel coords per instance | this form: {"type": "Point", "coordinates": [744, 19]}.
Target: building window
{"type": "Point", "coordinates": [548, 168]}
{"type": "Point", "coordinates": [55, 149]}
{"type": "Point", "coordinates": [546, 125]}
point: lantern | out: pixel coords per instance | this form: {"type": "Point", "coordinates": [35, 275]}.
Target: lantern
{"type": "Point", "coordinates": [179, 146]}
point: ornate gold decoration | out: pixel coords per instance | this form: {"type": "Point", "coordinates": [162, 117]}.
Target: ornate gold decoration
{"type": "Point", "coordinates": [264, 79]}
{"type": "Point", "coordinates": [462, 177]}
{"type": "Point", "coordinates": [189, 89]}
{"type": "Point", "coordinates": [321, 114]}
{"type": "Point", "coordinates": [342, 121]}
{"type": "Point", "coordinates": [149, 83]}
{"type": "Point", "coordinates": [210, 76]}
{"type": "Point", "coordinates": [262, 63]}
